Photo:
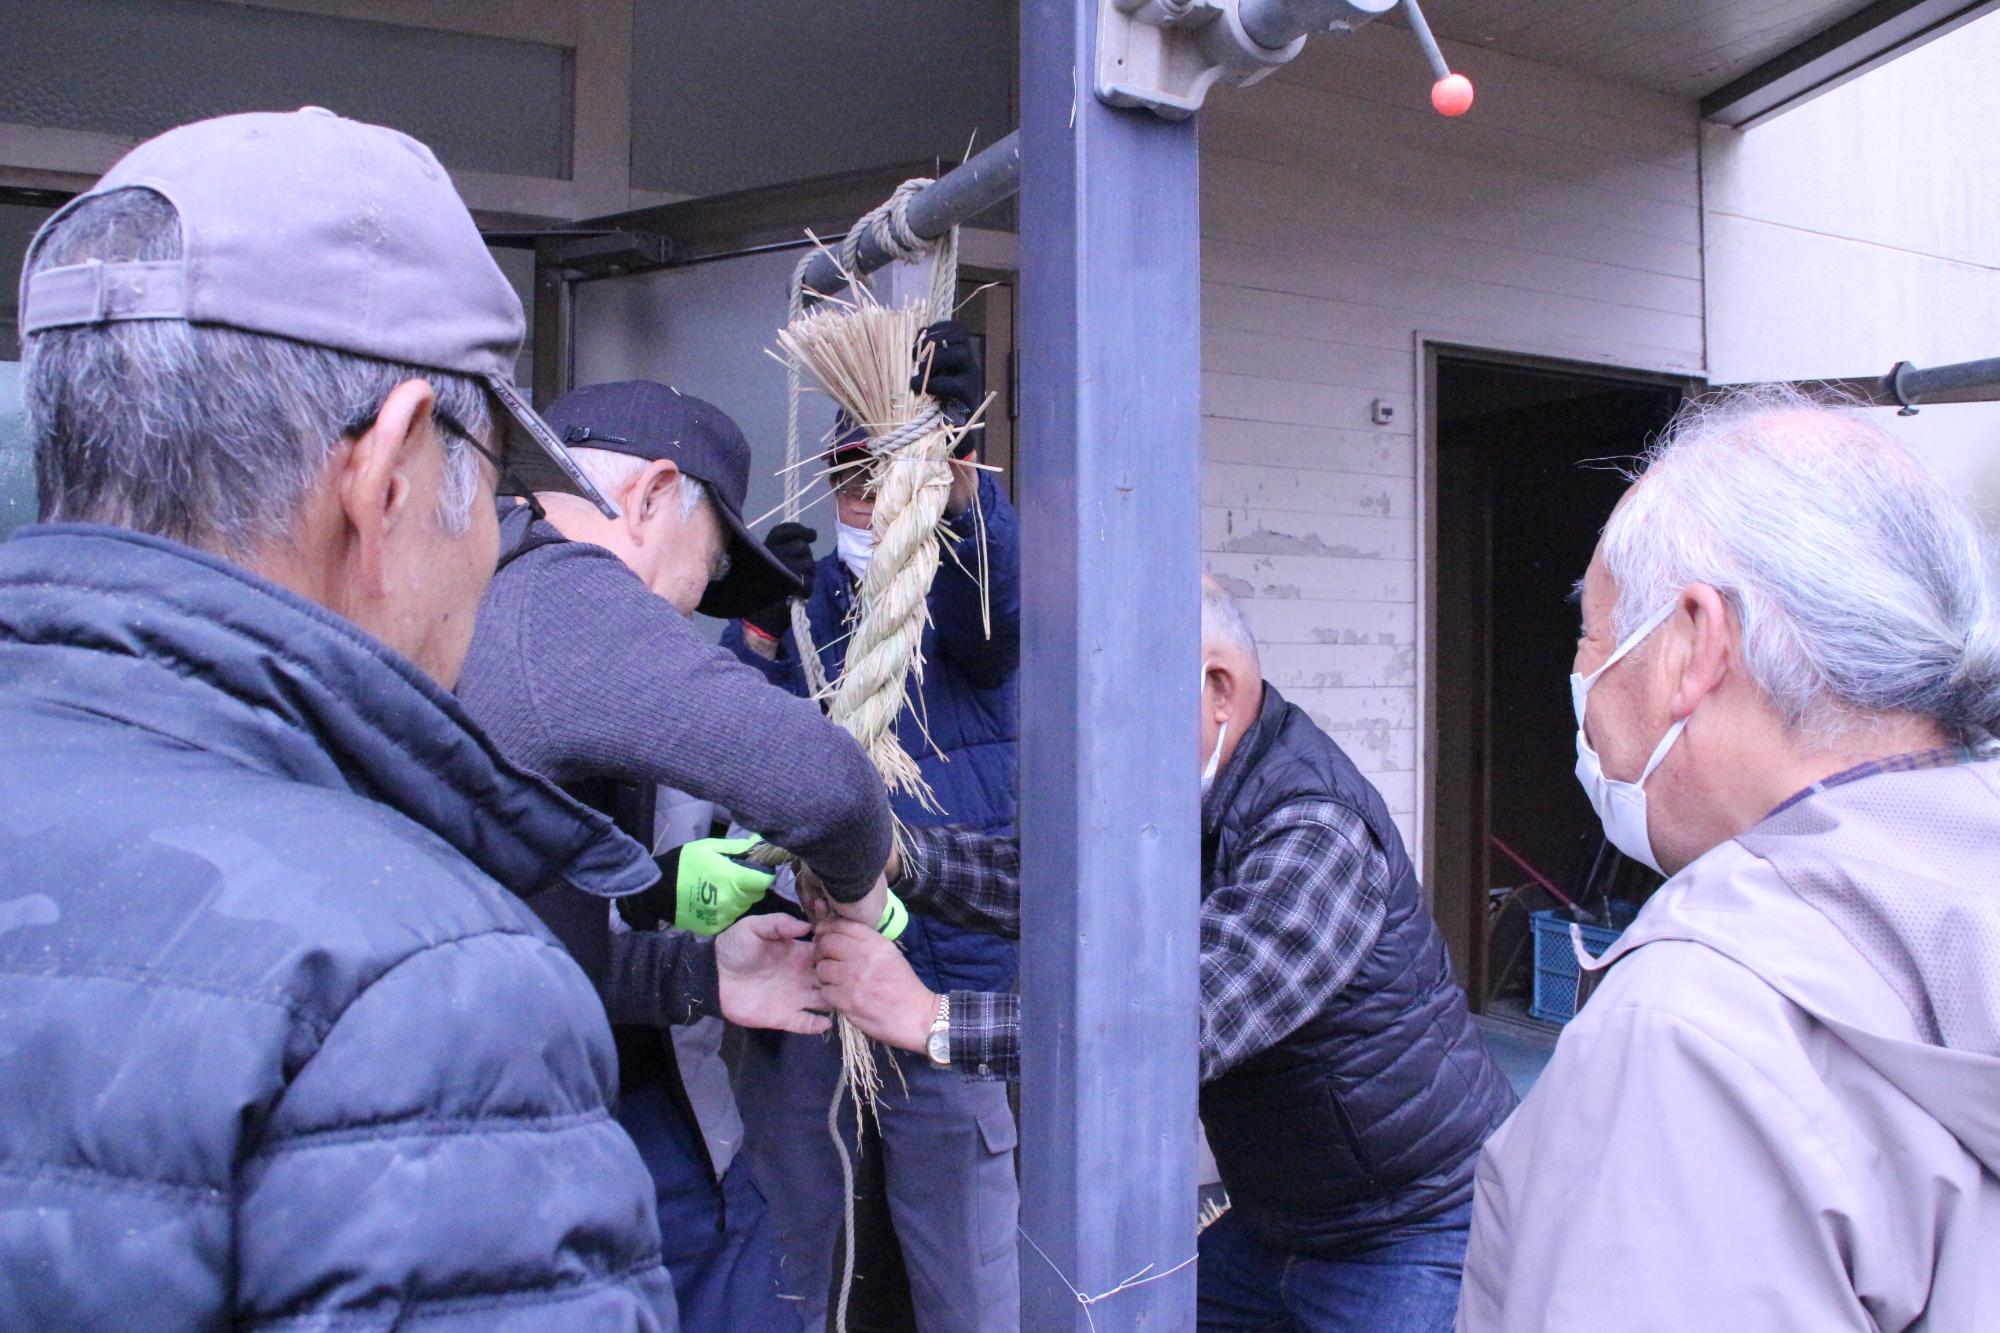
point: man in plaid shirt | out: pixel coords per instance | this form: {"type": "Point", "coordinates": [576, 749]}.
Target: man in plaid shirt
{"type": "Point", "coordinates": [1345, 1091]}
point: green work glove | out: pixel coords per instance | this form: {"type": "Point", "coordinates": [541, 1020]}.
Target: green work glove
{"type": "Point", "coordinates": [711, 887]}
{"type": "Point", "coordinates": [895, 916]}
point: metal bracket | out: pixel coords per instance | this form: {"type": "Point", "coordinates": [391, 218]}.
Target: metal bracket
{"type": "Point", "coordinates": [1164, 55]}
{"type": "Point", "coordinates": [1899, 385]}
{"type": "Point", "coordinates": [613, 253]}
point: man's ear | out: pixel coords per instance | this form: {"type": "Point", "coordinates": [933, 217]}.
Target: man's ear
{"type": "Point", "coordinates": [376, 482]}
{"type": "Point", "coordinates": [653, 489]}
{"type": "Point", "coordinates": [1709, 647]}
{"type": "Point", "coordinates": [1218, 691]}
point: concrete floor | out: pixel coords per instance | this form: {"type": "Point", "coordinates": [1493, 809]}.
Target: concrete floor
{"type": "Point", "coordinates": [1520, 1045]}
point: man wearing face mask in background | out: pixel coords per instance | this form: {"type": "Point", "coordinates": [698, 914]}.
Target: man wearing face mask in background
{"type": "Point", "coordinates": [1778, 1110]}
{"type": "Point", "coordinates": [1344, 1090]}
{"type": "Point", "coordinates": [946, 1152]}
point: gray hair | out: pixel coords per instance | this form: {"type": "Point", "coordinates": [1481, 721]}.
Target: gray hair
{"type": "Point", "coordinates": [611, 472]}
{"type": "Point", "coordinates": [1862, 587]}
{"type": "Point", "coordinates": [1222, 621]}
{"type": "Point", "coordinates": [203, 434]}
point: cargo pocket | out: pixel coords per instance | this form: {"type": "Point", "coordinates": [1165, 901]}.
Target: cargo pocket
{"type": "Point", "coordinates": [999, 1136]}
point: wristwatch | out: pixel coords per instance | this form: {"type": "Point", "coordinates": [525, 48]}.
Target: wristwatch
{"type": "Point", "coordinates": [938, 1044]}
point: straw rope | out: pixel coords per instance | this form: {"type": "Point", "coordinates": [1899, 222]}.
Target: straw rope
{"type": "Point", "coordinates": [889, 227]}
{"type": "Point", "coordinates": [863, 355]}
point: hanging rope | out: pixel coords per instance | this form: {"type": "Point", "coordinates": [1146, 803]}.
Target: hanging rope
{"type": "Point", "coordinates": [863, 355]}
{"type": "Point", "coordinates": [889, 227]}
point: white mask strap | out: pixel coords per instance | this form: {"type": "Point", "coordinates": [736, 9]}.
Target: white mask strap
{"type": "Point", "coordinates": [1215, 760]}
{"type": "Point", "coordinates": [1633, 640]}
{"type": "Point", "coordinates": [1660, 750]}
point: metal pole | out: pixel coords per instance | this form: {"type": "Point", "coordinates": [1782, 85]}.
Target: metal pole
{"type": "Point", "coordinates": [1909, 387]}
{"type": "Point", "coordinates": [1110, 517]}
{"type": "Point", "coordinates": [1965, 382]}
{"type": "Point", "coordinates": [1415, 14]}
{"type": "Point", "coordinates": [972, 187]}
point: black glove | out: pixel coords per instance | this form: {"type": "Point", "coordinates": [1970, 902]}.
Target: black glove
{"type": "Point", "coordinates": [950, 371]}
{"type": "Point", "coordinates": [792, 544]}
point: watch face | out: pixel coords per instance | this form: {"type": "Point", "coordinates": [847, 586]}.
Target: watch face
{"type": "Point", "coordinates": [939, 1047]}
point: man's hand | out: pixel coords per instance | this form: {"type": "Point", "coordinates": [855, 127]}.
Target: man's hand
{"type": "Point", "coordinates": [764, 970]}
{"type": "Point", "coordinates": [867, 978]}
{"type": "Point", "coordinates": [964, 487]}
{"type": "Point", "coordinates": [880, 909]}
{"type": "Point", "coordinates": [792, 544]}
{"type": "Point", "coordinates": [820, 904]}
{"type": "Point", "coordinates": [702, 884]}
{"type": "Point", "coordinates": [948, 369]}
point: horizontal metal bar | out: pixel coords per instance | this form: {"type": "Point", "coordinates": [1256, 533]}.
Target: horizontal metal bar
{"type": "Point", "coordinates": [1846, 50]}
{"type": "Point", "coordinates": [1964, 382]}
{"type": "Point", "coordinates": [1908, 386]}
{"type": "Point", "coordinates": [966, 191]}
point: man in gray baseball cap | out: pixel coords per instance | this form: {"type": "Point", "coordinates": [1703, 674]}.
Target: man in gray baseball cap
{"type": "Point", "coordinates": [280, 1044]}
{"type": "Point", "coordinates": [318, 229]}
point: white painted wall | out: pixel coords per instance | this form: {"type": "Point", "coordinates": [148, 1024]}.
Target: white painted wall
{"type": "Point", "coordinates": [1864, 229]}
{"type": "Point", "coordinates": [1342, 221]}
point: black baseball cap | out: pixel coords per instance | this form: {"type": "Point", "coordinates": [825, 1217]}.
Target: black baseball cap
{"type": "Point", "coordinates": [653, 421]}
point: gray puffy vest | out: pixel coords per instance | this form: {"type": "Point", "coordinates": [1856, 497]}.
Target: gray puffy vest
{"type": "Point", "coordinates": [1370, 1116]}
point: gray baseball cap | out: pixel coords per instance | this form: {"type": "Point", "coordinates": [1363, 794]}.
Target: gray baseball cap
{"type": "Point", "coordinates": [324, 230]}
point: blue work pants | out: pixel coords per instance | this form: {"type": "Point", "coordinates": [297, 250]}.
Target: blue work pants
{"type": "Point", "coordinates": [716, 1238]}
{"type": "Point", "coordinates": [947, 1162]}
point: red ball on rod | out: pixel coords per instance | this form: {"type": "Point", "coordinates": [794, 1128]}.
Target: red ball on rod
{"type": "Point", "coordinates": [1452, 95]}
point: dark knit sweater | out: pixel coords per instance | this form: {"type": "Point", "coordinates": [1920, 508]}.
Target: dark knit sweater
{"type": "Point", "coordinates": [577, 671]}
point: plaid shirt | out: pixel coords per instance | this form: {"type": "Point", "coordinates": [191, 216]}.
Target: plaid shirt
{"type": "Point", "coordinates": [1945, 756]}
{"type": "Point", "coordinates": [1283, 930]}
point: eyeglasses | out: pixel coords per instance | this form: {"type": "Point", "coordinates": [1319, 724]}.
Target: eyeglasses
{"type": "Point", "coordinates": [446, 423]}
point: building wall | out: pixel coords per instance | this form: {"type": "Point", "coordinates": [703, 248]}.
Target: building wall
{"type": "Point", "coordinates": [1859, 230]}
{"type": "Point", "coordinates": [1343, 222]}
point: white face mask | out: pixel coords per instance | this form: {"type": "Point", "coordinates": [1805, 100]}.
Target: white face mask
{"type": "Point", "coordinates": [1620, 806]}
{"type": "Point", "coordinates": [1214, 760]}
{"type": "Point", "coordinates": [855, 546]}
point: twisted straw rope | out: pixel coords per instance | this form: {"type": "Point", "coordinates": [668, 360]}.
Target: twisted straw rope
{"type": "Point", "coordinates": [910, 465]}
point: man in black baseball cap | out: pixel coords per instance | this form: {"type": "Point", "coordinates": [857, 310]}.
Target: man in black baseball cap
{"type": "Point", "coordinates": [651, 435]}
{"type": "Point", "coordinates": [584, 668]}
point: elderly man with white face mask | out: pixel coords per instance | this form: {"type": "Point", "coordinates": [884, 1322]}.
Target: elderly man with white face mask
{"type": "Point", "coordinates": [1778, 1111]}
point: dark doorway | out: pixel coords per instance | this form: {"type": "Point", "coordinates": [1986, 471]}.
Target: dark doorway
{"type": "Point", "coordinates": [1526, 470]}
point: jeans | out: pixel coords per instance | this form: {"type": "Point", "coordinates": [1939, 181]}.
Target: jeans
{"type": "Point", "coordinates": [1405, 1282]}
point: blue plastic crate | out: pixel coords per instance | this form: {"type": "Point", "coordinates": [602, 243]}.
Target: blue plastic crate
{"type": "Point", "coordinates": [1555, 963]}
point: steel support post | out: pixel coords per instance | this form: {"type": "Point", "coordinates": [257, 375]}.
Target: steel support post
{"type": "Point", "coordinates": [554, 330]}
{"type": "Point", "coordinates": [1110, 517]}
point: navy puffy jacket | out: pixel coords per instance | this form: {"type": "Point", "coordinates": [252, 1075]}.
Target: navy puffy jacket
{"type": "Point", "coordinates": [963, 731]}
{"type": "Point", "coordinates": [276, 1046]}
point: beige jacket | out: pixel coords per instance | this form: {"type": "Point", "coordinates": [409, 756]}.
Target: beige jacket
{"type": "Point", "coordinates": [1781, 1110]}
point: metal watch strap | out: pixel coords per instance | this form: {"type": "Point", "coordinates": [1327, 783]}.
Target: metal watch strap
{"type": "Point", "coordinates": [942, 1023]}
